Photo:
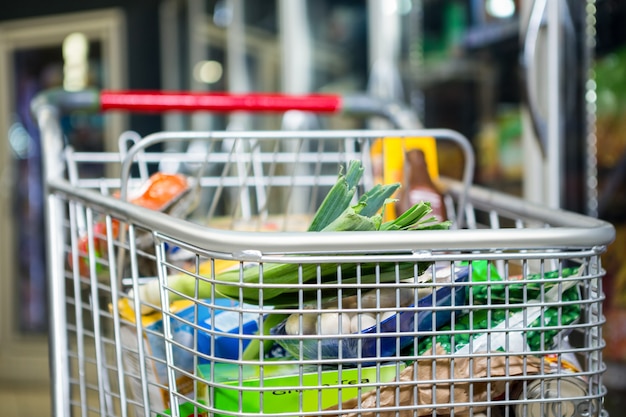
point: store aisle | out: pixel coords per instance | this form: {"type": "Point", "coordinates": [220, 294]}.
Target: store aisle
{"type": "Point", "coordinates": [18, 401]}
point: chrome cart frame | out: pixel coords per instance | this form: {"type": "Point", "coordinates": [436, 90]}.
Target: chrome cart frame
{"type": "Point", "coordinates": [485, 317]}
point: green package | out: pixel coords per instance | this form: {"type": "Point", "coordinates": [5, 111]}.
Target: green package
{"type": "Point", "coordinates": [282, 389]}
{"type": "Point", "coordinates": [494, 311]}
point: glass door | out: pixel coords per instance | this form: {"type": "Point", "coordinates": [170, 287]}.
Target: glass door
{"type": "Point", "coordinates": [71, 52]}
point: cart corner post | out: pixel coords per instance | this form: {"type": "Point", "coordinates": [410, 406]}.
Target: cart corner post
{"type": "Point", "coordinates": [46, 109]}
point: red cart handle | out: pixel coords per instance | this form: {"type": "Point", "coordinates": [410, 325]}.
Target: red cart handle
{"type": "Point", "coordinates": [164, 101]}
{"type": "Point", "coordinates": [161, 101]}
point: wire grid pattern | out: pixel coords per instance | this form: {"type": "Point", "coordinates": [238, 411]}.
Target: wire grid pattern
{"type": "Point", "coordinates": [189, 358]}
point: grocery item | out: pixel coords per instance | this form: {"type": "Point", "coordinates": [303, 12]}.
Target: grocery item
{"type": "Point", "coordinates": [562, 398]}
{"type": "Point", "coordinates": [170, 193]}
{"type": "Point", "coordinates": [351, 322]}
{"type": "Point", "coordinates": [561, 390]}
{"type": "Point", "coordinates": [286, 386]}
{"type": "Point", "coordinates": [427, 383]}
{"type": "Point", "coordinates": [99, 246]}
{"type": "Point", "coordinates": [430, 314]}
{"type": "Point", "coordinates": [389, 162]}
{"type": "Point", "coordinates": [161, 191]}
{"type": "Point", "coordinates": [211, 327]}
{"type": "Point", "coordinates": [338, 198]}
{"type": "Point", "coordinates": [188, 409]}
{"type": "Point", "coordinates": [517, 288]}
{"type": "Point", "coordinates": [564, 362]}
{"type": "Point", "coordinates": [420, 187]}
{"type": "Point", "coordinates": [507, 327]}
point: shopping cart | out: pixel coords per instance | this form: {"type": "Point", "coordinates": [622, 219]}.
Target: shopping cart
{"type": "Point", "coordinates": [178, 310]}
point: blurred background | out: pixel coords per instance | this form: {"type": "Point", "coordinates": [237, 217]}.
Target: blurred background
{"type": "Point", "coordinates": [538, 87]}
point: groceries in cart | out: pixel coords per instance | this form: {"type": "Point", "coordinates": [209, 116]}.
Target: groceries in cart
{"type": "Point", "coordinates": [455, 382]}
{"type": "Point", "coordinates": [420, 187]}
{"type": "Point", "coordinates": [503, 326]}
{"type": "Point", "coordinates": [336, 213]}
{"type": "Point", "coordinates": [500, 336]}
{"type": "Point", "coordinates": [277, 378]}
{"type": "Point", "coordinates": [390, 310]}
{"type": "Point", "coordinates": [372, 313]}
{"type": "Point", "coordinates": [382, 317]}
{"type": "Point", "coordinates": [223, 295]}
{"type": "Point", "coordinates": [412, 161]}
{"type": "Point", "coordinates": [169, 193]}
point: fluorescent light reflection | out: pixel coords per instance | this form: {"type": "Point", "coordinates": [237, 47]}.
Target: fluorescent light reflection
{"type": "Point", "coordinates": [500, 9]}
{"type": "Point", "coordinates": [208, 72]}
{"type": "Point", "coordinates": [75, 62]}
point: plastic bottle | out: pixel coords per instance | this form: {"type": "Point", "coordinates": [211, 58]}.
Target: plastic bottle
{"type": "Point", "coordinates": [419, 186]}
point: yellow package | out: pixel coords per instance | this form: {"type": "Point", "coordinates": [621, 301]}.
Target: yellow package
{"type": "Point", "coordinates": [388, 154]}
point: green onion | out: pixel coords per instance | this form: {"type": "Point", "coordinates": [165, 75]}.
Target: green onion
{"type": "Point", "coordinates": [278, 284]}
{"type": "Point", "coordinates": [338, 198]}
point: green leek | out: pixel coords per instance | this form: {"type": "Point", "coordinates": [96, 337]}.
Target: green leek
{"type": "Point", "coordinates": [280, 284]}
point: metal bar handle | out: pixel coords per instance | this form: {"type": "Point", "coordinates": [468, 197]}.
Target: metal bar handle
{"type": "Point", "coordinates": [160, 101]}
{"type": "Point", "coordinates": [166, 101]}
{"type": "Point", "coordinates": [531, 37]}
